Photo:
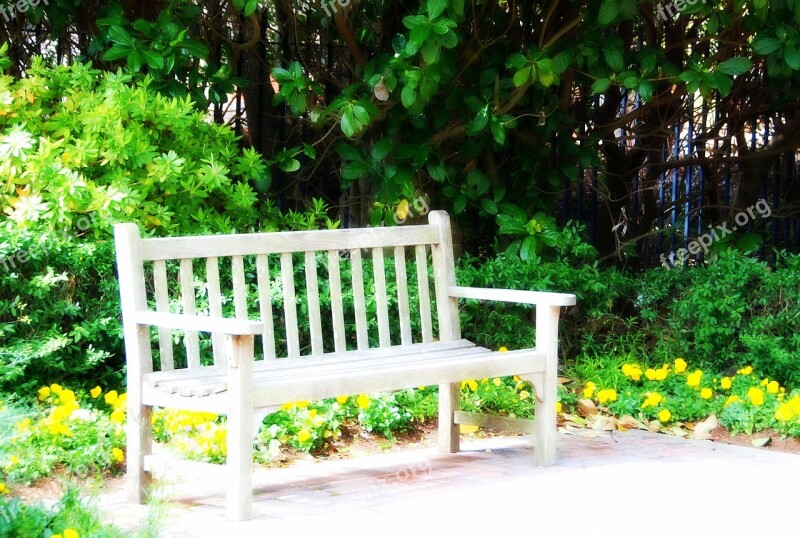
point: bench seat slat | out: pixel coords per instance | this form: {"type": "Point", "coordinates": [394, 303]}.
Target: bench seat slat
{"type": "Point", "coordinates": [274, 387]}
{"type": "Point", "coordinates": [314, 366]}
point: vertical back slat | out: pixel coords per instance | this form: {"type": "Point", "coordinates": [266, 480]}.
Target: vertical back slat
{"type": "Point", "coordinates": [162, 305]}
{"type": "Point", "coordinates": [215, 307]}
{"type": "Point", "coordinates": [265, 305]}
{"type": "Point", "coordinates": [381, 299]}
{"type": "Point", "coordinates": [239, 287]}
{"type": "Point", "coordinates": [359, 303]}
{"type": "Point", "coordinates": [289, 305]}
{"type": "Point", "coordinates": [312, 292]}
{"type": "Point", "coordinates": [402, 295]}
{"type": "Point", "coordinates": [335, 284]}
{"type": "Point", "coordinates": [424, 294]}
{"type": "Point", "coordinates": [191, 338]}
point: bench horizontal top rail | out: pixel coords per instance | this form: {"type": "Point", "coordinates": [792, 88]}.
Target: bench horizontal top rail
{"type": "Point", "coordinates": [205, 246]}
{"type": "Point", "coordinates": [209, 324]}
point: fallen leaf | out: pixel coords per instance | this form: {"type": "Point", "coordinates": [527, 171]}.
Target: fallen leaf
{"type": "Point", "coordinates": [761, 441]}
{"type": "Point", "coordinates": [468, 428]}
{"type": "Point", "coordinates": [586, 407]}
{"type": "Point", "coordinates": [564, 380]}
{"type": "Point", "coordinates": [627, 422]}
{"type": "Point", "coordinates": [604, 423]}
{"type": "Point", "coordinates": [702, 430]}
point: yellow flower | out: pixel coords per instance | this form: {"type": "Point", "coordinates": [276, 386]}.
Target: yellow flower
{"type": "Point", "coordinates": [3, 488]}
{"type": "Point", "coordinates": [731, 399]}
{"type": "Point", "coordinates": [773, 387]}
{"type": "Point", "coordinates": [402, 210]}
{"type": "Point", "coordinates": [747, 370]}
{"type": "Point", "coordinates": [661, 373]}
{"type": "Point", "coordinates": [523, 395]}
{"type": "Point", "coordinates": [632, 370]}
{"type": "Point", "coordinates": [784, 413]}
{"type": "Point", "coordinates": [725, 383]}
{"type": "Point", "coordinates": [558, 407]}
{"type": "Point", "coordinates": [664, 415]}
{"type": "Point", "coordinates": [706, 393]}
{"type": "Point", "coordinates": [118, 416]}
{"type": "Point", "coordinates": [303, 435]}
{"type": "Point", "coordinates": [502, 349]}
{"type": "Point", "coordinates": [497, 381]}
{"type": "Point", "coordinates": [693, 379]}
{"type": "Point", "coordinates": [23, 425]}
{"type": "Point", "coordinates": [13, 459]}
{"type": "Point", "coordinates": [606, 395]}
{"type": "Point", "coordinates": [118, 454]}
{"type": "Point", "coordinates": [680, 365]}
{"type": "Point", "coordinates": [588, 391]}
{"type": "Point", "coordinates": [363, 401]}
{"type": "Point", "coordinates": [472, 384]}
{"type": "Point", "coordinates": [71, 533]}
{"type": "Point", "coordinates": [756, 395]}
{"type": "Point", "coordinates": [652, 399]}
{"type": "Point", "coordinates": [55, 388]}
{"type": "Point", "coordinates": [342, 399]}
{"type": "Point", "coordinates": [95, 392]}
{"type": "Point", "coordinates": [111, 397]}
{"type": "Point", "coordinates": [650, 374]}
{"type": "Point", "coordinates": [764, 382]}
{"type": "Point", "coordinates": [44, 393]}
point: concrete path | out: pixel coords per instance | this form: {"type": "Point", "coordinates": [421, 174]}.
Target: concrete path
{"type": "Point", "coordinates": [618, 484]}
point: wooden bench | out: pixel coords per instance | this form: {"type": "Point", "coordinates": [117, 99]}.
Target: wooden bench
{"type": "Point", "coordinates": [329, 365]}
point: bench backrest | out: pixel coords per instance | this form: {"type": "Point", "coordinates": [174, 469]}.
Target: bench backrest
{"type": "Point", "coordinates": [147, 266]}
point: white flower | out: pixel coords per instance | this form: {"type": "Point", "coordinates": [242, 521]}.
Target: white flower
{"type": "Point", "coordinates": [28, 208]}
{"type": "Point", "coordinates": [16, 143]}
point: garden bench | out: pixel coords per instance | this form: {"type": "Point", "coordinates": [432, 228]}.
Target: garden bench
{"type": "Point", "coordinates": [246, 389]}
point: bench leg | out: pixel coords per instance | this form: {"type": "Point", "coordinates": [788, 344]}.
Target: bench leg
{"type": "Point", "coordinates": [546, 384]}
{"type": "Point", "coordinates": [449, 403]}
{"type": "Point", "coordinates": [139, 444]}
{"type": "Point", "coordinates": [239, 498]}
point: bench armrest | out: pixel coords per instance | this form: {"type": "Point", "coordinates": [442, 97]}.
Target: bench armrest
{"type": "Point", "coordinates": [207, 324]}
{"type": "Point", "coordinates": [542, 298]}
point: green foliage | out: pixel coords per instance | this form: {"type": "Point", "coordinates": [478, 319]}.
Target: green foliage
{"type": "Point", "coordinates": [82, 150]}
{"type": "Point", "coordinates": [22, 520]}
{"type": "Point", "coordinates": [81, 434]}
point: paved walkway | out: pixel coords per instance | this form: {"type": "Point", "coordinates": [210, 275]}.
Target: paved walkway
{"type": "Point", "coordinates": [618, 484]}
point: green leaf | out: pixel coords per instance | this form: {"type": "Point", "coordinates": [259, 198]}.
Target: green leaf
{"type": "Point", "coordinates": [436, 7]}
{"type": "Point", "coordinates": [489, 206]}
{"type": "Point", "coordinates": [723, 83]}
{"type": "Point", "coordinates": [646, 90]}
{"type": "Point", "coordinates": [195, 48]}
{"type": "Point", "coordinates": [498, 131]}
{"type": "Point", "coordinates": [420, 34]}
{"type": "Point", "coordinates": [361, 115]}
{"type": "Point", "coordinates": [381, 149]}
{"type": "Point", "coordinates": [459, 204]}
{"type": "Point", "coordinates": [614, 58]}
{"type": "Point", "coordinates": [291, 165]}
{"type": "Point", "coordinates": [348, 152]}
{"type": "Point", "coordinates": [522, 76]}
{"type": "Point", "coordinates": [118, 34]}
{"type": "Point", "coordinates": [516, 61]}
{"type": "Point", "coordinates": [792, 57]}
{"type": "Point", "coordinates": [117, 52]}
{"type": "Point", "coordinates": [355, 170]}
{"type": "Point", "coordinates": [479, 122]}
{"type": "Point", "coordinates": [601, 85]}
{"type": "Point", "coordinates": [349, 123]}
{"type": "Point", "coordinates": [153, 60]}
{"type": "Point", "coordinates": [430, 53]}
{"type": "Point", "coordinates": [528, 248]}
{"type": "Point", "coordinates": [415, 21]}
{"type": "Point", "coordinates": [437, 170]}
{"type": "Point", "coordinates": [561, 62]}
{"type": "Point", "coordinates": [408, 96]}
{"type": "Point", "coordinates": [609, 10]}
{"type": "Point", "coordinates": [735, 66]}
{"type": "Point", "coordinates": [766, 45]}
